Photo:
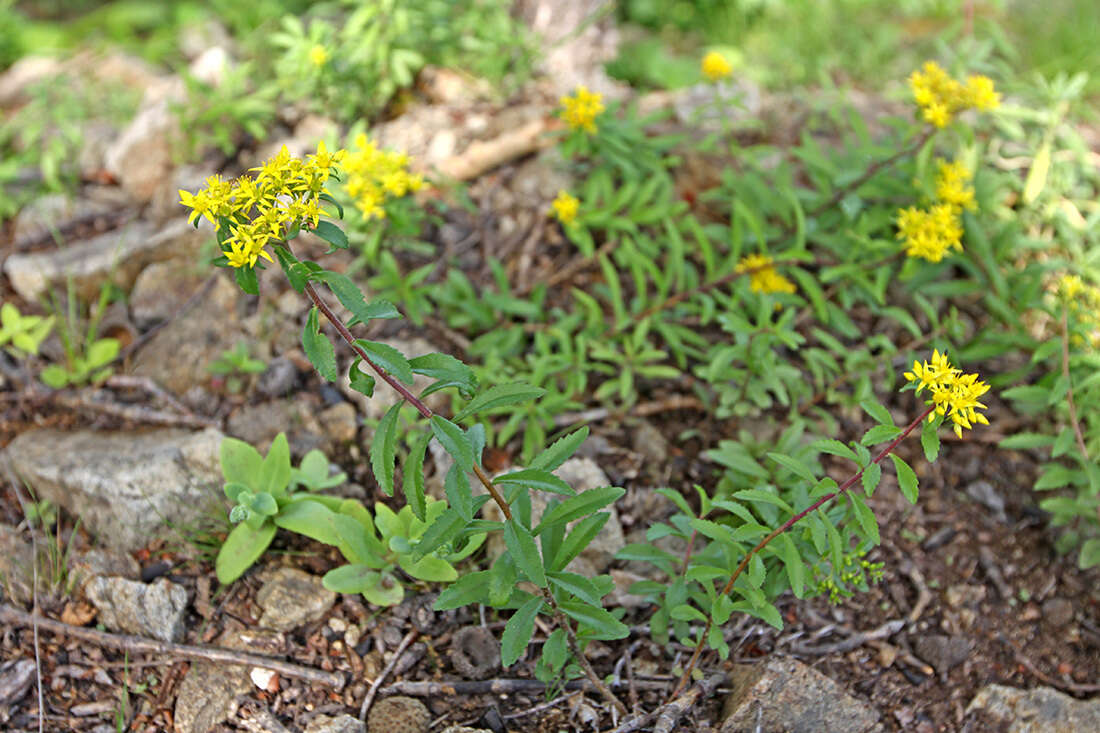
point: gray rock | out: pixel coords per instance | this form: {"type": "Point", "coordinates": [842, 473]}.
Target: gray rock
{"type": "Point", "coordinates": [42, 218]}
{"type": "Point", "coordinates": [123, 485]}
{"type": "Point", "coordinates": [117, 256]}
{"type": "Point", "coordinates": [209, 695]}
{"type": "Point", "coordinates": [583, 474]}
{"type": "Point", "coordinates": [278, 379]}
{"type": "Point", "coordinates": [16, 565]}
{"type": "Point", "coordinates": [141, 158]}
{"type": "Point", "coordinates": [176, 358]}
{"type": "Point", "coordinates": [787, 695]}
{"type": "Point", "coordinates": [340, 724]}
{"type": "Point", "coordinates": [290, 598]}
{"type": "Point", "coordinates": [339, 422]}
{"type": "Point", "coordinates": [155, 610]}
{"type": "Point", "coordinates": [259, 423]}
{"type": "Point", "coordinates": [405, 714]}
{"type": "Point", "coordinates": [102, 562]}
{"type": "Point", "coordinates": [161, 290]}
{"type": "Point", "coordinates": [16, 677]}
{"type": "Point", "coordinates": [1057, 613]}
{"type": "Point", "coordinates": [1042, 710]}
{"type": "Point", "coordinates": [944, 653]}
{"type": "Point", "coordinates": [985, 494]}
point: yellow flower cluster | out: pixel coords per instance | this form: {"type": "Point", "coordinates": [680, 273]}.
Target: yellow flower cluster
{"type": "Point", "coordinates": [954, 394]}
{"type": "Point", "coordinates": [941, 97]}
{"type": "Point", "coordinates": [285, 193]}
{"type": "Point", "coordinates": [318, 55]}
{"type": "Point", "coordinates": [933, 232]}
{"type": "Point", "coordinates": [565, 208]}
{"type": "Point", "coordinates": [581, 110]}
{"type": "Point", "coordinates": [715, 66]}
{"type": "Point", "coordinates": [1083, 300]}
{"type": "Point", "coordinates": [376, 175]}
{"type": "Point", "coordinates": [762, 275]}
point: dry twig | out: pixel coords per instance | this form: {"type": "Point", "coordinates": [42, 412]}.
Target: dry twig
{"type": "Point", "coordinates": [669, 714]}
{"type": "Point", "coordinates": [365, 707]}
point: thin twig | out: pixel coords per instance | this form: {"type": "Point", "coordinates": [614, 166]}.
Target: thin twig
{"type": "Point", "coordinates": [842, 489]}
{"type": "Point", "coordinates": [854, 641]}
{"type": "Point", "coordinates": [365, 707]}
{"type": "Point", "coordinates": [502, 686]}
{"type": "Point", "coordinates": [143, 645]}
{"type": "Point", "coordinates": [1043, 676]}
{"type": "Point", "coordinates": [132, 381]}
{"type": "Point", "coordinates": [85, 400]}
{"type": "Point", "coordinates": [542, 706]}
{"type": "Point", "coordinates": [669, 714]}
{"type": "Point", "coordinates": [1069, 390]}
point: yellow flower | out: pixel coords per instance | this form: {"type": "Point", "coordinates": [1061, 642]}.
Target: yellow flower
{"type": "Point", "coordinates": [375, 175]}
{"type": "Point", "coordinates": [581, 110]}
{"type": "Point", "coordinates": [565, 208]}
{"type": "Point", "coordinates": [318, 55]}
{"type": "Point", "coordinates": [199, 204]}
{"type": "Point", "coordinates": [930, 234]}
{"type": "Point", "coordinates": [951, 185]}
{"type": "Point", "coordinates": [1070, 286]}
{"type": "Point", "coordinates": [762, 275]}
{"type": "Point", "coordinates": [954, 394]}
{"type": "Point", "coordinates": [714, 66]}
{"type": "Point", "coordinates": [941, 97]}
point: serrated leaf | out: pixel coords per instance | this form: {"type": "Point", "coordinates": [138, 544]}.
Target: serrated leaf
{"type": "Point", "coordinates": [518, 631]}
{"type": "Point", "coordinates": [525, 552]}
{"type": "Point", "coordinates": [907, 479]}
{"type": "Point", "coordinates": [792, 562]}
{"type": "Point", "coordinates": [794, 465]}
{"type": "Point", "coordinates": [456, 486]}
{"type": "Point", "coordinates": [560, 451]}
{"type": "Point", "coordinates": [576, 584]}
{"type": "Point", "coordinates": [584, 503]}
{"type": "Point", "coordinates": [835, 448]}
{"type": "Point", "coordinates": [579, 538]}
{"type": "Point", "coordinates": [383, 449]}
{"type": "Point", "coordinates": [865, 517]}
{"type": "Point", "coordinates": [880, 434]}
{"type": "Point", "coordinates": [605, 626]}
{"type": "Point", "coordinates": [444, 529]}
{"type": "Point", "coordinates": [360, 381]}
{"type": "Point", "coordinates": [499, 396]}
{"type": "Point", "coordinates": [454, 441]}
{"type": "Point", "coordinates": [414, 477]}
{"type": "Point", "coordinates": [534, 478]}
{"type": "Point", "coordinates": [880, 414]}
{"type": "Point", "coordinates": [872, 474]}
{"type": "Point", "coordinates": [685, 612]}
{"type": "Point", "coordinates": [388, 358]}
{"type": "Point", "coordinates": [318, 348]}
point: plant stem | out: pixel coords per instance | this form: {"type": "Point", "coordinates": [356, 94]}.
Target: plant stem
{"type": "Point", "coordinates": [401, 389]}
{"type": "Point", "coordinates": [1069, 389]}
{"type": "Point", "coordinates": [575, 647]}
{"type": "Point", "coordinates": [843, 488]}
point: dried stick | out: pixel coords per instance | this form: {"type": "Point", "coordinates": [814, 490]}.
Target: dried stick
{"type": "Point", "coordinates": [854, 641]}
{"type": "Point", "coordinates": [669, 714]}
{"type": "Point", "coordinates": [842, 489]}
{"type": "Point", "coordinates": [484, 155]}
{"type": "Point", "coordinates": [504, 686]}
{"type": "Point", "coordinates": [133, 413]}
{"type": "Point", "coordinates": [365, 707]}
{"type": "Point", "coordinates": [143, 645]}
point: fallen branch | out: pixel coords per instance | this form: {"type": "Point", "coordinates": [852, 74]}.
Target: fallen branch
{"type": "Point", "coordinates": [140, 644]}
{"type": "Point", "coordinates": [500, 687]}
{"type": "Point", "coordinates": [409, 638]}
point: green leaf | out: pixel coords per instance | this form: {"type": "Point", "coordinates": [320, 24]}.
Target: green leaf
{"type": "Point", "coordinates": [275, 472]}
{"type": "Point", "coordinates": [792, 562]}
{"type": "Point", "coordinates": [454, 441]}
{"type": "Point", "coordinates": [1026, 441]}
{"type": "Point", "coordinates": [318, 348]}
{"type": "Point", "coordinates": [865, 517]}
{"type": "Point", "coordinates": [684, 612]}
{"type": "Point", "coordinates": [387, 357]}
{"type": "Point", "coordinates": [872, 474]}
{"type": "Point", "coordinates": [457, 488]}
{"type": "Point", "coordinates": [794, 465]}
{"type": "Point", "coordinates": [241, 463]}
{"type": "Point", "coordinates": [1090, 554]}
{"type": "Point", "coordinates": [247, 280]}
{"type": "Point", "coordinates": [499, 396]}
{"type": "Point", "coordinates": [584, 503]}
{"type": "Point", "coordinates": [263, 504]}
{"type": "Point", "coordinates": [534, 478]}
{"type": "Point", "coordinates": [388, 592]}
{"type": "Point", "coordinates": [907, 479]}
{"type": "Point", "coordinates": [524, 551]}
{"type": "Point", "coordinates": [309, 518]}
{"type": "Point", "coordinates": [357, 540]}
{"type": "Point", "coordinates": [880, 414]}
{"type": "Point", "coordinates": [351, 579]}
{"type": "Point", "coordinates": [325, 197]}
{"type": "Point", "coordinates": [605, 626]}
{"type": "Point", "coordinates": [430, 568]}
{"type": "Point", "coordinates": [579, 538]}
{"type": "Point", "coordinates": [576, 584]}
{"type": "Point", "coordinates": [518, 631]}
{"type": "Point", "coordinates": [361, 382]}
{"type": "Point", "coordinates": [930, 441]}
{"type": "Point", "coordinates": [332, 234]}
{"type": "Point", "coordinates": [383, 448]}
{"type": "Point", "coordinates": [414, 477]}
{"type": "Point", "coordinates": [835, 448]}
{"type": "Point", "coordinates": [763, 496]}
{"type": "Point", "coordinates": [880, 434]}
{"type": "Point", "coordinates": [444, 529]}
{"type": "Point", "coordinates": [242, 547]}
{"type": "Point", "coordinates": [560, 451]}
{"type": "Point", "coordinates": [449, 371]}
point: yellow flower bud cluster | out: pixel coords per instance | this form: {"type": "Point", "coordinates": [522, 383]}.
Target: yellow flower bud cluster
{"type": "Point", "coordinates": [931, 233]}
{"type": "Point", "coordinates": [565, 207]}
{"type": "Point", "coordinates": [941, 97]}
{"type": "Point", "coordinates": [1083, 301]}
{"type": "Point", "coordinates": [376, 175]}
{"type": "Point", "coordinates": [285, 193]}
{"type": "Point", "coordinates": [954, 394]}
{"type": "Point", "coordinates": [762, 275]}
{"type": "Point", "coordinates": [715, 66]}
{"type": "Point", "coordinates": [581, 110]}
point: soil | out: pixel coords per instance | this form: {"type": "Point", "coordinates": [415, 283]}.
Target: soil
{"type": "Point", "coordinates": [986, 597]}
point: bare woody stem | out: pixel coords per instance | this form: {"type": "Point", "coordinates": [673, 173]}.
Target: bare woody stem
{"type": "Point", "coordinates": [575, 647]}
{"type": "Point", "coordinates": [843, 488]}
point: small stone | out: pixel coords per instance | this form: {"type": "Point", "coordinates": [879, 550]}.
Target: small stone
{"type": "Point", "coordinates": [263, 678]}
{"type": "Point", "coordinates": [787, 695]}
{"type": "Point", "coordinates": [278, 379]}
{"type": "Point", "coordinates": [340, 724]}
{"type": "Point", "coordinates": [101, 561]}
{"type": "Point", "coordinates": [1057, 613]}
{"type": "Point", "coordinates": [161, 290]}
{"type": "Point", "coordinates": [141, 158]}
{"type": "Point", "coordinates": [650, 442]}
{"type": "Point", "coordinates": [944, 653]}
{"type": "Point", "coordinates": [1042, 710]}
{"type": "Point", "coordinates": [155, 610]}
{"type": "Point", "coordinates": [209, 695]}
{"type": "Point", "coordinates": [16, 677]}
{"type": "Point", "coordinates": [961, 594]}
{"type": "Point", "coordinates": [290, 598]}
{"type": "Point", "coordinates": [339, 422]}
{"type": "Point", "coordinates": [475, 652]}
{"type": "Point", "coordinates": [16, 565]}
{"type": "Point", "coordinates": [398, 715]}
{"type": "Point", "coordinates": [337, 624]}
